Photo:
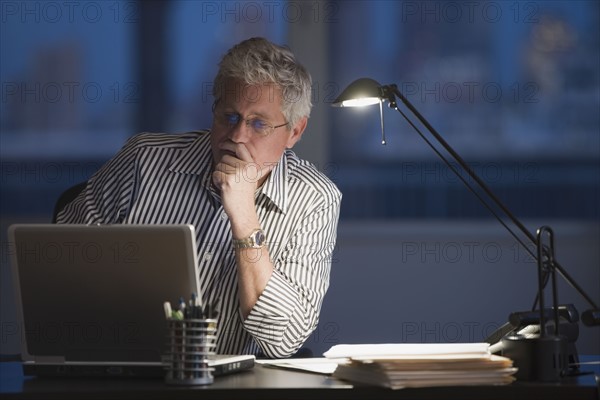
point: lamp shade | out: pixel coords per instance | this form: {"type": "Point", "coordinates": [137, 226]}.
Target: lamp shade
{"type": "Point", "coordinates": [361, 92]}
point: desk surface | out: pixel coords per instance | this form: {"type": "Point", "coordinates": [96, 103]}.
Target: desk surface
{"type": "Point", "coordinates": [269, 383]}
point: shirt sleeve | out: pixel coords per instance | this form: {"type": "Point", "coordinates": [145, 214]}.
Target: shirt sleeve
{"type": "Point", "coordinates": [108, 194]}
{"type": "Point", "coordinates": [287, 311]}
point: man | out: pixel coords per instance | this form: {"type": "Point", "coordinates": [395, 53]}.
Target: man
{"type": "Point", "coordinates": [265, 220]}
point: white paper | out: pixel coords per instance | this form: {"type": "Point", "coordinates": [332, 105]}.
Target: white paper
{"type": "Point", "coordinates": [316, 365]}
{"type": "Point", "coordinates": [405, 349]}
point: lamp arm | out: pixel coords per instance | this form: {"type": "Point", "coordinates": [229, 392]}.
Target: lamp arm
{"type": "Point", "coordinates": [389, 92]}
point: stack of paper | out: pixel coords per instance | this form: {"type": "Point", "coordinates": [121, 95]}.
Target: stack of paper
{"type": "Point", "coordinates": [421, 364]}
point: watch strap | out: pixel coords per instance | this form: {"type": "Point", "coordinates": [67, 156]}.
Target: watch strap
{"type": "Point", "coordinates": [256, 240]}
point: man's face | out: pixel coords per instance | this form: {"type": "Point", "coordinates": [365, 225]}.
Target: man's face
{"type": "Point", "coordinates": [251, 102]}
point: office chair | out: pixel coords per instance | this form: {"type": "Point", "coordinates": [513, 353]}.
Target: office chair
{"type": "Point", "coordinates": [66, 197]}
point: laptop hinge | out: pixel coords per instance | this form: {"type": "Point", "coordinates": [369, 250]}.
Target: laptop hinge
{"type": "Point", "coordinates": [47, 360]}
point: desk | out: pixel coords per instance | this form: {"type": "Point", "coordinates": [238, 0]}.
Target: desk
{"type": "Point", "coordinates": [267, 383]}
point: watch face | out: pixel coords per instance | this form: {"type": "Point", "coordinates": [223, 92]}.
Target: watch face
{"type": "Point", "coordinates": [259, 238]}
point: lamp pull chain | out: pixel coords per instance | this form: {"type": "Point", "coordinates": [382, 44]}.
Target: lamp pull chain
{"type": "Point", "coordinates": [383, 141]}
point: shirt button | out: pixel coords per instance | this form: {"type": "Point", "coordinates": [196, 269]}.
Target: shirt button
{"type": "Point", "coordinates": [223, 215]}
{"type": "Point", "coordinates": [207, 256]}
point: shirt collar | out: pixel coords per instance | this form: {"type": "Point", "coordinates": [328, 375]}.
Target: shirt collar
{"type": "Point", "coordinates": [275, 187]}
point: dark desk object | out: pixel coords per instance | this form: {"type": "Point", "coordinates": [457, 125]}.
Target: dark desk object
{"type": "Point", "coordinates": [268, 383]}
{"type": "Point", "coordinates": [66, 197]}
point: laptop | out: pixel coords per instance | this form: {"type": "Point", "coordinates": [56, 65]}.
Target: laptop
{"type": "Point", "coordinates": [90, 298]}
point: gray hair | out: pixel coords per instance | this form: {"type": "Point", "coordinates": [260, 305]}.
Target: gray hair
{"type": "Point", "coordinates": [257, 61]}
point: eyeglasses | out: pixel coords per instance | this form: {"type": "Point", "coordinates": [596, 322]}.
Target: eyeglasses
{"type": "Point", "coordinates": [258, 126]}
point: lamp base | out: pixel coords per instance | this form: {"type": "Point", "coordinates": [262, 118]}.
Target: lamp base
{"type": "Point", "coordinates": [541, 358]}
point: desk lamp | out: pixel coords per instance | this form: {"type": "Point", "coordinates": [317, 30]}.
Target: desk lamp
{"type": "Point", "coordinates": [541, 356]}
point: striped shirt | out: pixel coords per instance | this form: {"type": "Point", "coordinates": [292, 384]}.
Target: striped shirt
{"type": "Point", "coordinates": [166, 179]}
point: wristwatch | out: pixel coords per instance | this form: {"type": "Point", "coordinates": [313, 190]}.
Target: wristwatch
{"type": "Point", "coordinates": [256, 240]}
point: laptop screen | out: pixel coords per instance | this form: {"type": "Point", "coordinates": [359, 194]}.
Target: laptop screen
{"type": "Point", "coordinates": [95, 293]}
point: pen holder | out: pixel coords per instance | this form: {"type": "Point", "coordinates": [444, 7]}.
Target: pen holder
{"type": "Point", "coordinates": [190, 343]}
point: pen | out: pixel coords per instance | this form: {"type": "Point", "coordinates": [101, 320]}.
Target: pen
{"type": "Point", "coordinates": [198, 307]}
{"type": "Point", "coordinates": [177, 315]}
{"type": "Point", "coordinates": [211, 310]}
{"type": "Point", "coordinates": [193, 309]}
{"type": "Point", "coordinates": [168, 310]}
{"type": "Point", "coordinates": [182, 307]}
